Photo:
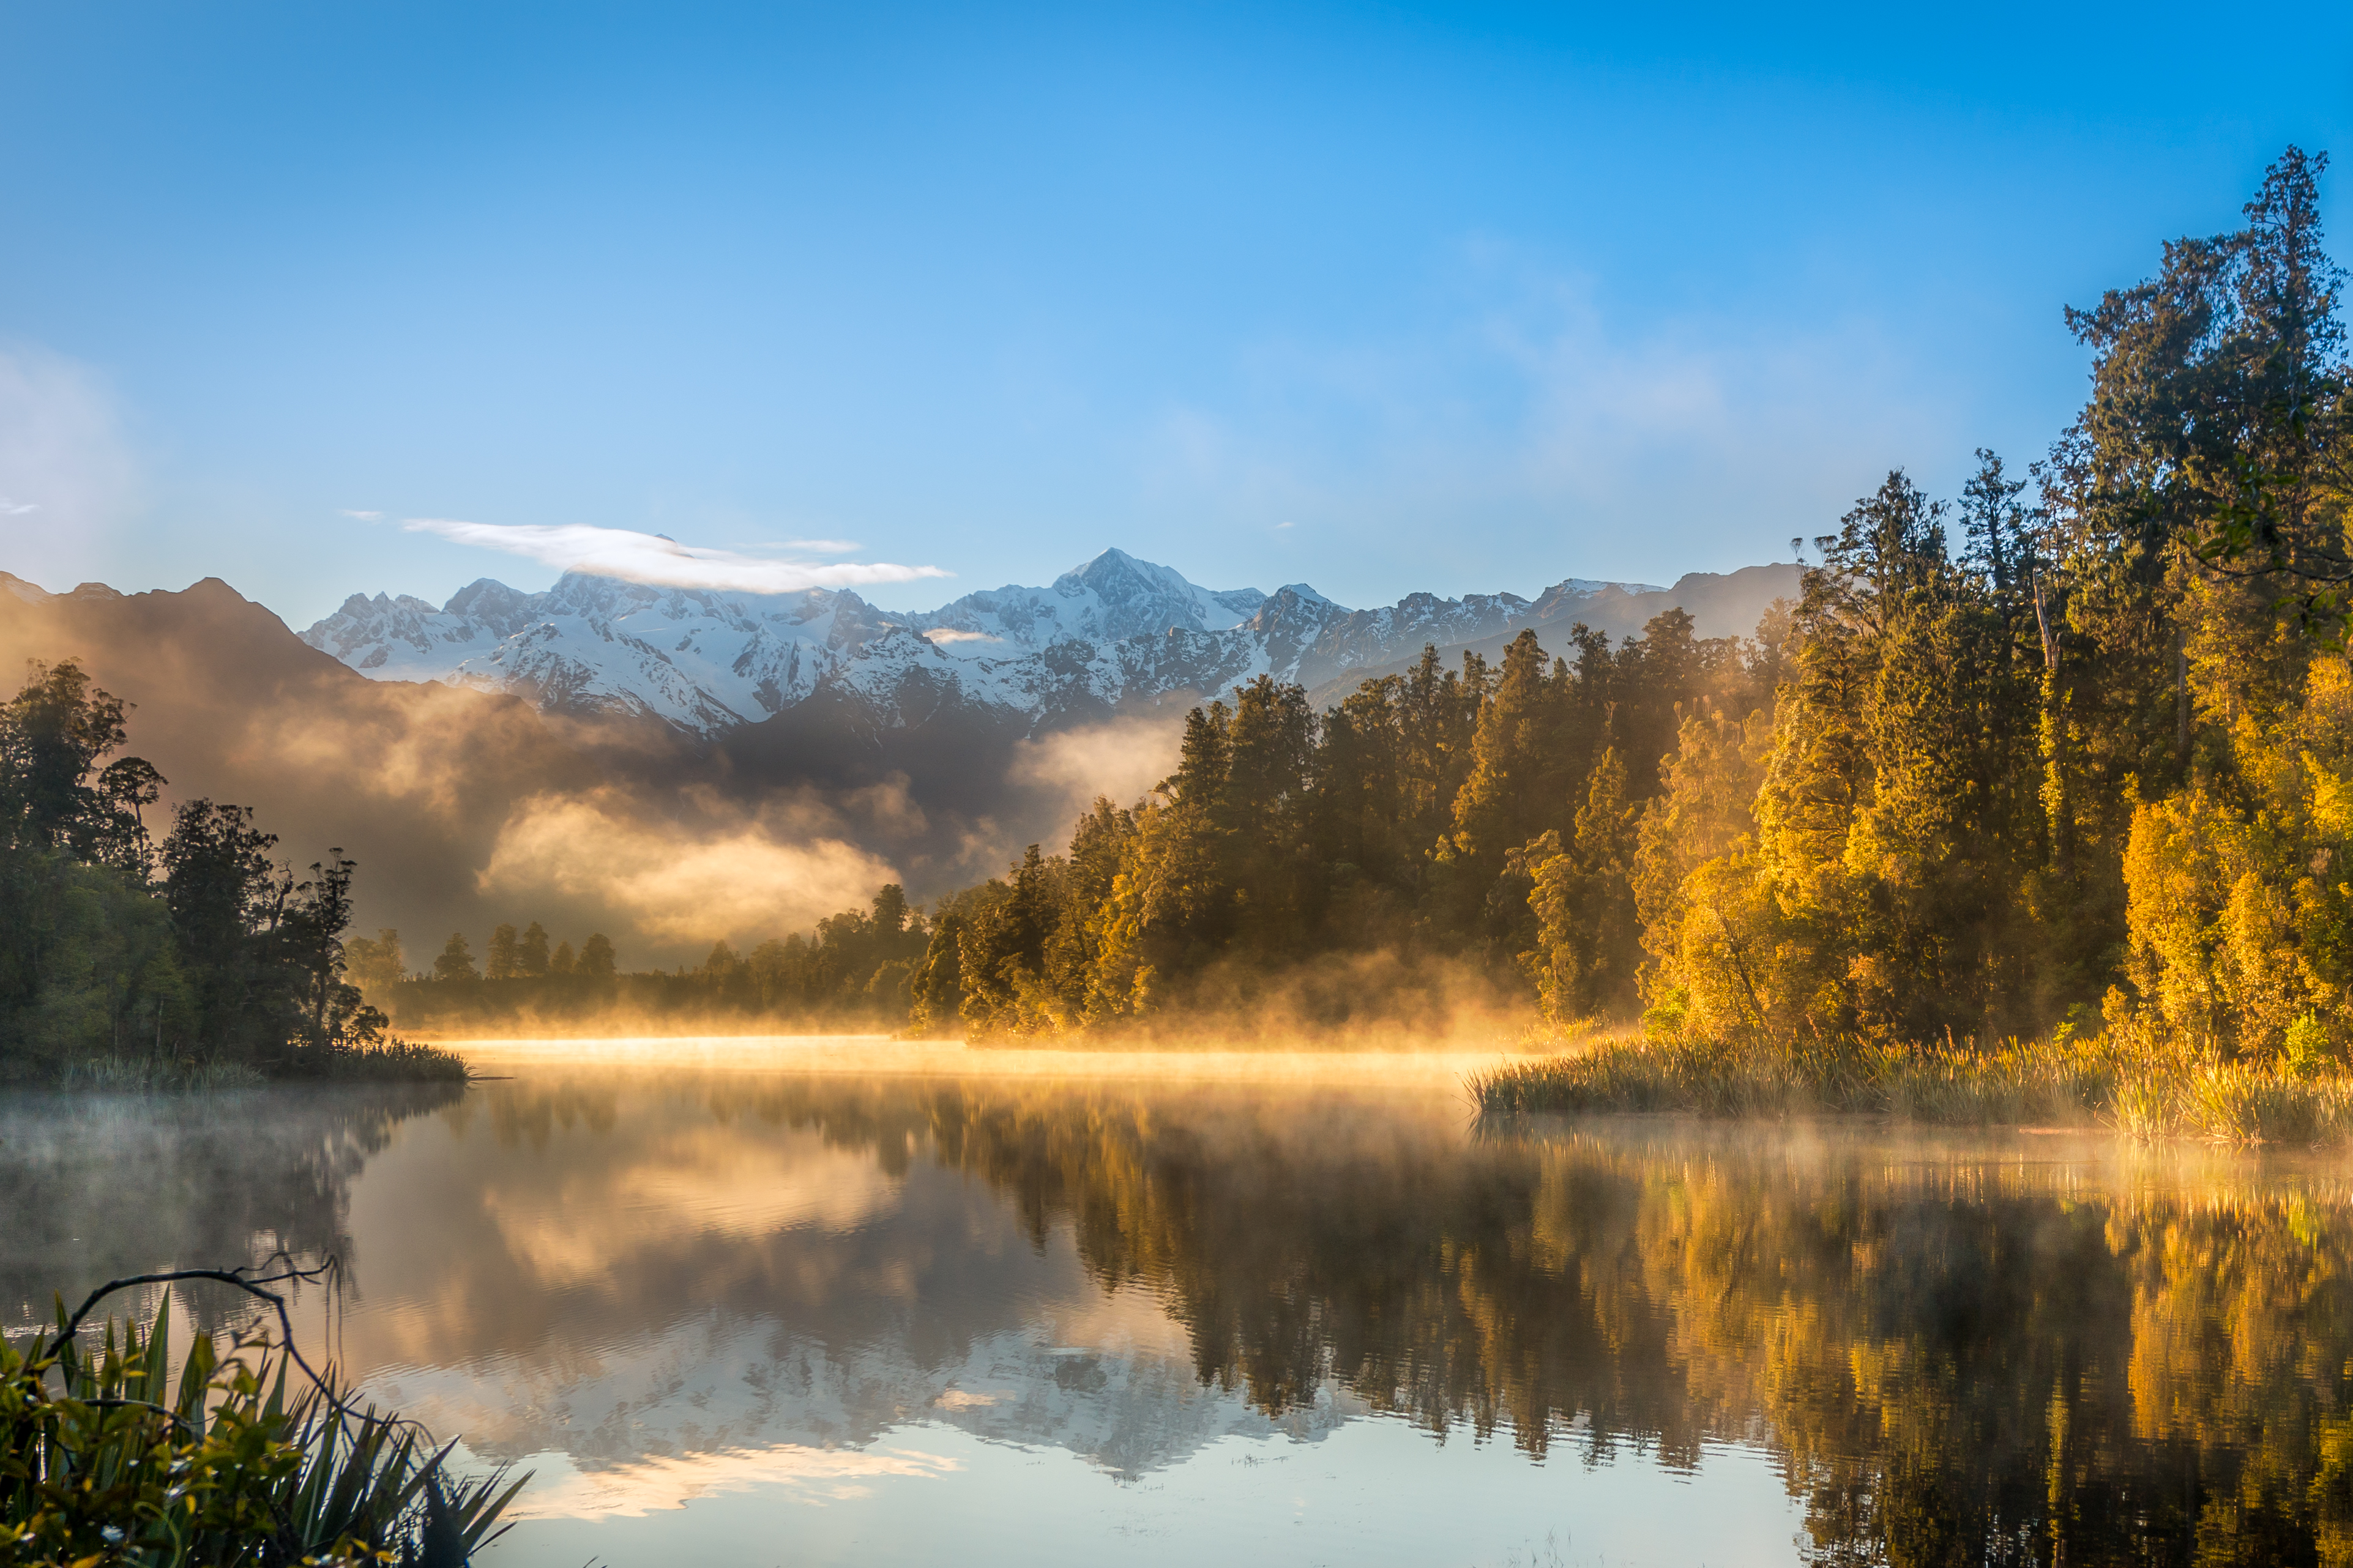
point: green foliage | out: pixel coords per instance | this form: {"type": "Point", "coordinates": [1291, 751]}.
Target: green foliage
{"type": "Point", "coordinates": [107, 1459]}
{"type": "Point", "coordinates": [197, 959]}
{"type": "Point", "coordinates": [1995, 763]}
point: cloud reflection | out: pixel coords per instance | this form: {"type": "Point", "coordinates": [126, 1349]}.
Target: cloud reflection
{"type": "Point", "coordinates": [561, 1490]}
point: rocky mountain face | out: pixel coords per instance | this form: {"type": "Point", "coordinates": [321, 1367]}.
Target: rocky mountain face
{"type": "Point", "coordinates": [1110, 635]}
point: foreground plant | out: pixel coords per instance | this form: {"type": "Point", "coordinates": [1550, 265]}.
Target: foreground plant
{"type": "Point", "coordinates": [106, 1461]}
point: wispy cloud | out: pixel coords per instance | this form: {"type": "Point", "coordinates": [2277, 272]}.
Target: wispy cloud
{"type": "Point", "coordinates": [68, 476]}
{"type": "Point", "coordinates": [364, 516]}
{"type": "Point", "coordinates": [652, 558]}
{"type": "Point", "coordinates": [957, 634]}
{"type": "Point", "coordinates": [1533, 411]}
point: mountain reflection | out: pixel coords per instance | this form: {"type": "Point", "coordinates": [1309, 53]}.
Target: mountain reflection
{"type": "Point", "coordinates": [1989, 1349]}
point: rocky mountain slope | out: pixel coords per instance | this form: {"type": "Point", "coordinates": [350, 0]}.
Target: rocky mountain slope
{"type": "Point", "coordinates": [1109, 635]}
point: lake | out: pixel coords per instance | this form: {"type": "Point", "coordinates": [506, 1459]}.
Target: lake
{"type": "Point", "coordinates": [846, 1302]}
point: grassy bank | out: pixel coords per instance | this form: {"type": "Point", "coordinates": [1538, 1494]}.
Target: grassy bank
{"type": "Point", "coordinates": [399, 1061]}
{"type": "Point", "coordinates": [2142, 1090]}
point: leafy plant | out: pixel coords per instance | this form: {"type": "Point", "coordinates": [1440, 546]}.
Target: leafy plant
{"type": "Point", "coordinates": [106, 1459]}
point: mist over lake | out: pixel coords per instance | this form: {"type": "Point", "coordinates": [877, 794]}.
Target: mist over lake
{"type": "Point", "coordinates": [898, 1306]}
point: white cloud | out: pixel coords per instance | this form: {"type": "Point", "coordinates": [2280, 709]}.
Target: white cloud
{"type": "Point", "coordinates": [654, 559]}
{"type": "Point", "coordinates": [957, 634]}
{"type": "Point", "coordinates": [364, 516]}
{"type": "Point", "coordinates": [67, 473]}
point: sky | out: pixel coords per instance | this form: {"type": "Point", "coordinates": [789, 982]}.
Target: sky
{"type": "Point", "coordinates": [920, 300]}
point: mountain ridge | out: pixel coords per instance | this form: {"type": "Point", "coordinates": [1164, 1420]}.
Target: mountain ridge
{"type": "Point", "coordinates": [1113, 634]}
{"type": "Point", "coordinates": [432, 785]}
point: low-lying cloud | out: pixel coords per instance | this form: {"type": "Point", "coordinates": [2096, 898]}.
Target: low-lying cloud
{"type": "Point", "coordinates": [663, 562]}
{"type": "Point", "coordinates": [1120, 759]}
{"type": "Point", "coordinates": [733, 874]}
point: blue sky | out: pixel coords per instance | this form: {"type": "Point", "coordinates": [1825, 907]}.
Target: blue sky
{"type": "Point", "coordinates": [1378, 298]}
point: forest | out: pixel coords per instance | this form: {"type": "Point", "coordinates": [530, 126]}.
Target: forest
{"type": "Point", "coordinates": [127, 961]}
{"type": "Point", "coordinates": [2067, 754]}
{"type": "Point", "coordinates": [850, 974]}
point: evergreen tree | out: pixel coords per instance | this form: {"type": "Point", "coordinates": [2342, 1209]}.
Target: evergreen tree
{"type": "Point", "coordinates": [377, 962]}
{"type": "Point", "coordinates": [531, 951]}
{"type": "Point", "coordinates": [503, 961]}
{"type": "Point", "coordinates": [457, 961]}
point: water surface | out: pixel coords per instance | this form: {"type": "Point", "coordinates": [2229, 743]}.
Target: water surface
{"type": "Point", "coordinates": [819, 1304]}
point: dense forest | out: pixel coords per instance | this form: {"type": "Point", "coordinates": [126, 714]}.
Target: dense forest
{"type": "Point", "coordinates": [126, 959]}
{"type": "Point", "coordinates": [2070, 751]}
{"type": "Point", "coordinates": [850, 973]}
{"type": "Point", "coordinates": [2073, 750]}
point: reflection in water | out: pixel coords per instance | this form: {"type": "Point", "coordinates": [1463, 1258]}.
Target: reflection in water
{"type": "Point", "coordinates": [2009, 1349]}
{"type": "Point", "coordinates": [1956, 1354]}
{"type": "Point", "coordinates": [100, 1186]}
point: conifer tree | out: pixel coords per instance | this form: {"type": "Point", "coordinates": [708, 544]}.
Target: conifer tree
{"type": "Point", "coordinates": [457, 961]}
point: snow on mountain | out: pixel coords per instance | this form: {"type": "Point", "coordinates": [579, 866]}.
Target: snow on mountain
{"type": "Point", "coordinates": [699, 658]}
{"type": "Point", "coordinates": [1114, 630]}
{"type": "Point", "coordinates": [1110, 598]}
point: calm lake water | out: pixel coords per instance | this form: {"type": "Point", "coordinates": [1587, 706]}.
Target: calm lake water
{"type": "Point", "coordinates": [811, 1304]}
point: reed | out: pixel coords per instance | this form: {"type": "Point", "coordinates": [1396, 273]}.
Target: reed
{"type": "Point", "coordinates": [106, 1459]}
{"type": "Point", "coordinates": [395, 1061]}
{"type": "Point", "coordinates": [2145, 1090]}
{"type": "Point", "coordinates": [126, 1075]}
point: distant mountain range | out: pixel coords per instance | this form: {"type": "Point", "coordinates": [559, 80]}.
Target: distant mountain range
{"type": "Point", "coordinates": [1110, 635]}
{"type": "Point", "coordinates": [938, 744]}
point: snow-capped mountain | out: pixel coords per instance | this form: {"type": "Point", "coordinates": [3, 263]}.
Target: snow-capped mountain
{"type": "Point", "coordinates": [1112, 633]}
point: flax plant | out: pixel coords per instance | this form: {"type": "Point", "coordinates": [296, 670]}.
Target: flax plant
{"type": "Point", "coordinates": [107, 1459]}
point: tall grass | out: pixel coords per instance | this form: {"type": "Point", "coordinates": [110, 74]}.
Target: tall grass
{"type": "Point", "coordinates": [105, 1460]}
{"type": "Point", "coordinates": [136, 1074]}
{"type": "Point", "coordinates": [395, 1061]}
{"type": "Point", "coordinates": [2144, 1090]}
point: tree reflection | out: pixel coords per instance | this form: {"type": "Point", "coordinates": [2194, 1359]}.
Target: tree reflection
{"type": "Point", "coordinates": [100, 1186]}
{"type": "Point", "coordinates": [1958, 1356]}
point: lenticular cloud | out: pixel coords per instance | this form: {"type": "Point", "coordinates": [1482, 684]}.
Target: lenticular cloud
{"type": "Point", "coordinates": [663, 562]}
